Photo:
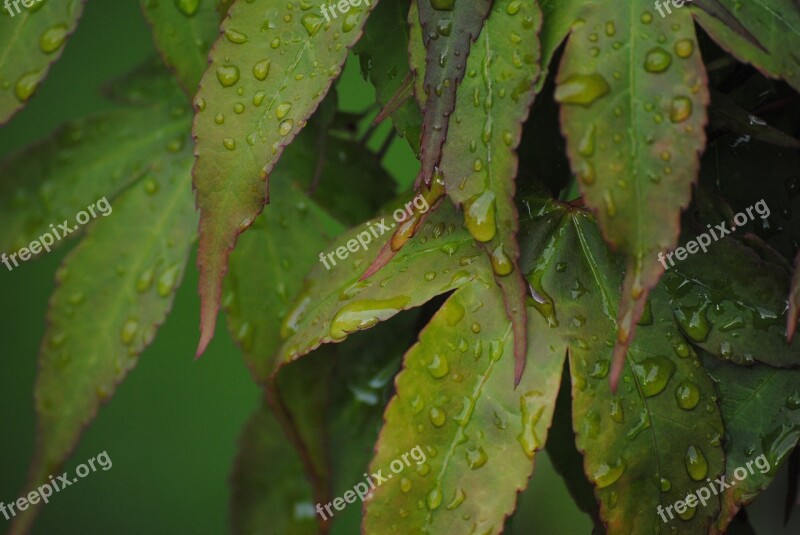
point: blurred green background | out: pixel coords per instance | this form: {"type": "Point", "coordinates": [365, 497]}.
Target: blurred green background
{"type": "Point", "coordinates": [172, 427]}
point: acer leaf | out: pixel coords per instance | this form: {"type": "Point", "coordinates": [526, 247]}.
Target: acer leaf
{"type": "Point", "coordinates": [121, 280]}
{"type": "Point", "coordinates": [286, 240]}
{"type": "Point", "coordinates": [748, 397]}
{"type": "Point", "coordinates": [30, 42]}
{"type": "Point", "coordinates": [635, 442]}
{"type": "Point", "coordinates": [385, 62]}
{"type": "Point", "coordinates": [448, 30]}
{"type": "Point", "coordinates": [559, 16]}
{"type": "Point", "coordinates": [454, 404]}
{"type": "Point", "coordinates": [183, 33]}
{"type": "Point", "coordinates": [632, 86]}
{"type": "Point", "coordinates": [776, 26]}
{"type": "Point", "coordinates": [268, 484]}
{"type": "Point", "coordinates": [336, 303]}
{"type": "Point", "coordinates": [739, 317]}
{"type": "Point", "coordinates": [269, 71]}
{"type": "Point", "coordinates": [85, 160]}
{"type": "Point", "coordinates": [493, 103]}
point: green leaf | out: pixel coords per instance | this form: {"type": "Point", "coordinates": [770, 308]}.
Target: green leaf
{"type": "Point", "coordinates": [559, 16]}
{"type": "Point", "coordinates": [32, 40]}
{"type": "Point", "coordinates": [269, 492]}
{"type": "Point", "coordinates": [749, 399]}
{"type": "Point", "coordinates": [469, 439]}
{"type": "Point", "coordinates": [633, 91]}
{"type": "Point", "coordinates": [120, 280]}
{"type": "Point", "coordinates": [448, 29]}
{"type": "Point", "coordinates": [738, 317]}
{"type": "Point", "coordinates": [776, 25]}
{"type": "Point", "coordinates": [286, 240]}
{"type": "Point", "coordinates": [183, 31]}
{"type": "Point", "coordinates": [635, 443]}
{"type": "Point", "coordinates": [336, 303]}
{"type": "Point", "coordinates": [87, 159]}
{"type": "Point", "coordinates": [493, 103]}
{"type": "Point", "coordinates": [274, 68]}
{"type": "Point", "coordinates": [385, 62]}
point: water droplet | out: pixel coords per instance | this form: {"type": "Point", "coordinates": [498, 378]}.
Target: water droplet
{"type": "Point", "coordinates": [187, 7]}
{"type": "Point", "coordinates": [261, 69]}
{"type": "Point", "coordinates": [168, 279]}
{"type": "Point", "coordinates": [26, 86]}
{"type": "Point", "coordinates": [607, 474]}
{"type": "Point", "coordinates": [443, 5]}
{"type": "Point", "coordinates": [128, 331]}
{"type": "Point", "coordinates": [684, 48]}
{"type": "Point", "coordinates": [282, 110]}
{"type": "Point", "coordinates": [582, 89]}
{"type": "Point", "coordinates": [693, 321]}
{"type": "Point", "coordinates": [434, 499]}
{"type": "Point", "coordinates": [457, 500]}
{"type": "Point", "coordinates": [227, 75]}
{"type": "Point", "coordinates": [362, 315]}
{"type": "Point", "coordinates": [476, 457]}
{"type": "Point", "coordinates": [285, 127]}
{"type": "Point", "coordinates": [681, 109]}
{"type": "Point", "coordinates": [405, 484]}
{"type": "Point", "coordinates": [479, 216]}
{"type": "Point", "coordinates": [531, 407]}
{"type": "Point", "coordinates": [653, 374]}
{"type": "Point", "coordinates": [501, 263]}
{"type": "Point", "coordinates": [145, 280]}
{"type": "Point", "coordinates": [437, 416]}
{"type": "Point", "coordinates": [657, 60]}
{"type": "Point", "coordinates": [438, 366]}
{"type": "Point", "coordinates": [616, 411]}
{"type": "Point", "coordinates": [687, 395]}
{"type": "Point", "coordinates": [53, 38]}
{"type": "Point", "coordinates": [235, 37]}
{"type": "Point", "coordinates": [696, 464]}
{"type": "Point", "coordinates": [539, 299]}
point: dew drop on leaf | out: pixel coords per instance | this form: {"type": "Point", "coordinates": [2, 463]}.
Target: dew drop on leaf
{"type": "Point", "coordinates": [187, 7]}
{"type": "Point", "coordinates": [657, 60]}
{"type": "Point", "coordinates": [582, 89]}
{"type": "Point", "coordinates": [696, 464]}
{"type": "Point", "coordinates": [53, 38]}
